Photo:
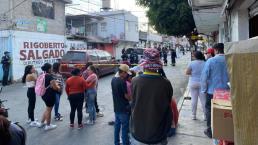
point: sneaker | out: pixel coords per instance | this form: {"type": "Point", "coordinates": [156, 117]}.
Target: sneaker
{"type": "Point", "coordinates": [60, 115]}
{"type": "Point", "coordinates": [71, 125]}
{"type": "Point", "coordinates": [40, 125]}
{"type": "Point", "coordinates": [29, 121]}
{"type": "Point", "coordinates": [59, 118]}
{"type": "Point", "coordinates": [111, 123]}
{"type": "Point", "coordinates": [100, 114]}
{"type": "Point", "coordinates": [89, 122]}
{"type": "Point", "coordinates": [80, 126]}
{"type": "Point", "coordinates": [49, 127]}
{"type": "Point", "coordinates": [194, 117]}
{"type": "Point", "coordinates": [34, 124]}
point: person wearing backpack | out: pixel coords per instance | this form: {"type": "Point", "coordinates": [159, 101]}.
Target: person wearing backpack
{"type": "Point", "coordinates": [30, 78]}
{"type": "Point", "coordinates": [49, 88]}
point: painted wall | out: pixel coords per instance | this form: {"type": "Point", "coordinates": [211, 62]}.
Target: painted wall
{"type": "Point", "coordinates": [239, 25]}
{"type": "Point", "coordinates": [221, 33]}
{"type": "Point", "coordinates": [131, 28]}
{"type": "Point", "coordinates": [122, 25]}
{"type": "Point", "coordinates": [30, 48]}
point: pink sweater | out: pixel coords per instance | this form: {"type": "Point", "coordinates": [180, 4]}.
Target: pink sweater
{"type": "Point", "coordinates": [93, 78]}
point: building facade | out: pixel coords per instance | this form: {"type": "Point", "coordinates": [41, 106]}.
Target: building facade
{"type": "Point", "coordinates": [226, 20]}
{"type": "Point", "coordinates": [33, 31]}
{"type": "Point", "coordinates": [120, 27]}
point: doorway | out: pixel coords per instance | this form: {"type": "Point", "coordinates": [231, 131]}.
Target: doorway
{"type": "Point", "coordinates": [253, 27]}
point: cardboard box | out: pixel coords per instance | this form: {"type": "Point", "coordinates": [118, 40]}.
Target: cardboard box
{"type": "Point", "coordinates": [222, 120]}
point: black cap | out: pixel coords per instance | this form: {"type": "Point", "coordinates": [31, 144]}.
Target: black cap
{"type": "Point", "coordinates": [6, 52]}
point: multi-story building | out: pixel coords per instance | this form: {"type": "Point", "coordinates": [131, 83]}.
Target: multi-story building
{"type": "Point", "coordinates": [109, 30]}
{"type": "Point", "coordinates": [120, 27]}
{"type": "Point", "coordinates": [33, 31]}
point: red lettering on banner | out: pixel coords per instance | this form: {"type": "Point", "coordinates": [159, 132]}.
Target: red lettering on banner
{"type": "Point", "coordinates": [57, 54]}
{"type": "Point", "coordinates": [46, 45]}
{"type": "Point", "coordinates": [62, 52]}
{"type": "Point", "coordinates": [50, 45]}
{"type": "Point", "coordinates": [45, 54]}
{"type": "Point", "coordinates": [37, 55]}
{"type": "Point", "coordinates": [31, 55]}
{"type": "Point", "coordinates": [23, 54]}
{"type": "Point", "coordinates": [62, 45]}
{"type": "Point", "coordinates": [25, 44]}
{"type": "Point", "coordinates": [35, 45]}
{"type": "Point", "coordinates": [41, 45]}
{"type": "Point", "coordinates": [51, 54]}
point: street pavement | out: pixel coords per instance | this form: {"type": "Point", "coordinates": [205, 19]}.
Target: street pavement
{"type": "Point", "coordinates": [190, 132]}
{"type": "Point", "coordinates": [99, 134]}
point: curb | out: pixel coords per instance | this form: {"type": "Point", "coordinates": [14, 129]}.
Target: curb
{"type": "Point", "coordinates": [182, 100]}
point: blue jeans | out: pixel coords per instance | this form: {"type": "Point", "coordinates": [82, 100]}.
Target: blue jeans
{"type": "Point", "coordinates": [91, 96]}
{"type": "Point", "coordinates": [57, 104]}
{"type": "Point", "coordinates": [122, 119]}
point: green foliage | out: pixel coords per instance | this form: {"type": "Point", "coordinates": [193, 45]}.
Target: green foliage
{"type": "Point", "coordinates": [171, 17]}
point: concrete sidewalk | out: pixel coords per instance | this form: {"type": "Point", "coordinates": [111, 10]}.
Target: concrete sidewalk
{"type": "Point", "coordinates": [189, 132]}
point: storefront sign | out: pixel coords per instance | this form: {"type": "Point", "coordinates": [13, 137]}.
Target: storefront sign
{"type": "Point", "coordinates": [41, 25]}
{"type": "Point", "coordinates": [23, 23]}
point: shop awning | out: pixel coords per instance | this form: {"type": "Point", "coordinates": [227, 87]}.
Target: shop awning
{"type": "Point", "coordinates": [93, 39]}
{"type": "Point", "coordinates": [207, 14]}
{"type": "Point", "coordinates": [201, 4]}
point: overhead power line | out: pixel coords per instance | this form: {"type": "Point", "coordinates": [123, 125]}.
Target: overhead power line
{"type": "Point", "coordinates": [14, 7]}
{"type": "Point", "coordinates": [91, 3]}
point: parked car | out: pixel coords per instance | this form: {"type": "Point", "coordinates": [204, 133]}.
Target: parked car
{"type": "Point", "coordinates": [78, 58]}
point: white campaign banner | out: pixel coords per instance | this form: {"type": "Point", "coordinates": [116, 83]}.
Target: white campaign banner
{"type": "Point", "coordinates": [35, 49]}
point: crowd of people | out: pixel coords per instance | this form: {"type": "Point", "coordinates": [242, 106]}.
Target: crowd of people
{"type": "Point", "coordinates": [133, 59]}
{"type": "Point", "coordinates": [50, 84]}
{"type": "Point", "coordinates": [143, 109]}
